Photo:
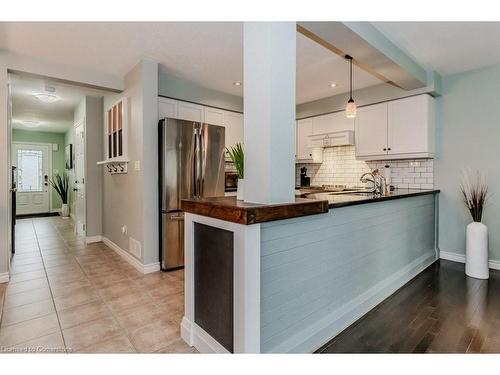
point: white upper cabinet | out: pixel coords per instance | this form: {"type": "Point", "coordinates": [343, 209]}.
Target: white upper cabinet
{"type": "Point", "coordinates": [190, 111]}
{"type": "Point", "coordinates": [233, 123]}
{"type": "Point", "coordinates": [411, 125]}
{"type": "Point", "coordinates": [303, 139]}
{"type": "Point", "coordinates": [167, 108]}
{"type": "Point", "coordinates": [213, 116]}
{"type": "Point", "coordinates": [331, 123]}
{"type": "Point", "coordinates": [399, 129]}
{"type": "Point", "coordinates": [371, 130]}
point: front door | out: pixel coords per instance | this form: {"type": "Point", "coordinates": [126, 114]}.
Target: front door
{"type": "Point", "coordinates": [79, 185]}
{"type": "Point", "coordinates": [32, 162]}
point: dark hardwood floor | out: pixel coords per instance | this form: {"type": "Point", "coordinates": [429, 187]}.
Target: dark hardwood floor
{"type": "Point", "coordinates": [439, 311]}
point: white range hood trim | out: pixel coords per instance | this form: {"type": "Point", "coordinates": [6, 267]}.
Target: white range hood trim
{"type": "Point", "coordinates": [333, 139]}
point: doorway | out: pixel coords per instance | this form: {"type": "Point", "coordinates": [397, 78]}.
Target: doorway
{"type": "Point", "coordinates": [33, 163]}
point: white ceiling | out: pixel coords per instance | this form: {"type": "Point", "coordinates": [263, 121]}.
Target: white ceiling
{"type": "Point", "coordinates": [446, 47]}
{"type": "Point", "coordinates": [53, 117]}
{"type": "Point", "coordinates": [208, 53]}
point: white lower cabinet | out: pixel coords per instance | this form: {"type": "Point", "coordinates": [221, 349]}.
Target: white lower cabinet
{"type": "Point", "coordinates": [398, 129]}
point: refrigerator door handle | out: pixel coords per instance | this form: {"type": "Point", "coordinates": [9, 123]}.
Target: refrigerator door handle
{"type": "Point", "coordinates": [195, 162]}
{"type": "Point", "coordinates": [203, 158]}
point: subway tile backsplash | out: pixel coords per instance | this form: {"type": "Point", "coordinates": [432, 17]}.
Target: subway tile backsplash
{"type": "Point", "coordinates": [340, 167]}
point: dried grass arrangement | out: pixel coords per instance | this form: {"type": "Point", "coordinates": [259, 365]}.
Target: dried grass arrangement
{"type": "Point", "coordinates": [474, 190]}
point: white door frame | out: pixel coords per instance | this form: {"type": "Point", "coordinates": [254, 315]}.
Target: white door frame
{"type": "Point", "coordinates": [49, 162]}
{"type": "Point", "coordinates": [81, 122]}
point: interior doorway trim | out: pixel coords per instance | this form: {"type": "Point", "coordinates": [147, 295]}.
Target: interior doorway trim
{"type": "Point", "coordinates": [49, 161]}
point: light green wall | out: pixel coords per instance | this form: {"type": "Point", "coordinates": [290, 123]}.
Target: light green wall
{"type": "Point", "coordinates": [468, 134]}
{"type": "Point", "coordinates": [57, 156]}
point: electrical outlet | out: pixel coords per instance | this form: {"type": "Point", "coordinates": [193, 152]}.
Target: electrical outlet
{"type": "Point", "coordinates": [137, 165]}
{"type": "Point", "coordinates": [124, 229]}
{"type": "Point", "coordinates": [135, 248]}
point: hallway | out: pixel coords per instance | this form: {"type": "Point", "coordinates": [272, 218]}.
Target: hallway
{"type": "Point", "coordinates": [65, 296]}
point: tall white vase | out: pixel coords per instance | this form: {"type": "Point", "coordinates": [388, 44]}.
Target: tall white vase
{"type": "Point", "coordinates": [240, 189]}
{"type": "Point", "coordinates": [476, 256]}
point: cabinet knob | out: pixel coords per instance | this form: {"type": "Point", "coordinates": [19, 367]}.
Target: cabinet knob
{"type": "Point", "coordinates": [389, 149]}
{"type": "Point", "coordinates": [385, 149]}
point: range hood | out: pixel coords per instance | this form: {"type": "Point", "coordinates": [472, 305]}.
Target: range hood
{"type": "Point", "coordinates": [342, 138]}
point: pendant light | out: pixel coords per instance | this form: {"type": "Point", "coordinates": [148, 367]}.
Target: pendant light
{"type": "Point", "coordinates": [350, 108]}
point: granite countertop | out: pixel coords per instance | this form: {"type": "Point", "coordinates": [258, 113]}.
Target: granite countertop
{"type": "Point", "coordinates": [354, 198]}
{"type": "Point", "coordinates": [230, 209]}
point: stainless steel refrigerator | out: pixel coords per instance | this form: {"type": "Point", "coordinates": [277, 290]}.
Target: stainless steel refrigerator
{"type": "Point", "coordinates": [191, 165]}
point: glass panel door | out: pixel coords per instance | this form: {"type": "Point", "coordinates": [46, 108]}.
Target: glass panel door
{"type": "Point", "coordinates": [30, 170]}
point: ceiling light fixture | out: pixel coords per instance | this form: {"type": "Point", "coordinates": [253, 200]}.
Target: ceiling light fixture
{"type": "Point", "coordinates": [350, 108]}
{"type": "Point", "coordinates": [31, 123]}
{"type": "Point", "coordinates": [47, 98]}
{"type": "Point", "coordinates": [237, 83]}
{"type": "Point", "coordinates": [333, 84]}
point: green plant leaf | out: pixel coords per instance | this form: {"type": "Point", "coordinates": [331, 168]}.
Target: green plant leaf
{"type": "Point", "coordinates": [237, 157]}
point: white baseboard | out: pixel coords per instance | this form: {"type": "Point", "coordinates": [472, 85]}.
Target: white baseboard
{"type": "Point", "coordinates": [196, 336]}
{"type": "Point", "coordinates": [460, 258]}
{"type": "Point", "coordinates": [136, 263]}
{"type": "Point", "coordinates": [93, 239]}
{"type": "Point", "coordinates": [4, 277]}
{"type": "Point", "coordinates": [313, 337]}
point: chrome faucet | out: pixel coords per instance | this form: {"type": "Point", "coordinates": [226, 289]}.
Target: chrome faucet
{"type": "Point", "coordinates": [378, 181]}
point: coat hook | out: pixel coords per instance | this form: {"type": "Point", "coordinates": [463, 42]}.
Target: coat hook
{"type": "Point", "coordinates": [109, 168]}
{"type": "Point", "coordinates": [122, 168]}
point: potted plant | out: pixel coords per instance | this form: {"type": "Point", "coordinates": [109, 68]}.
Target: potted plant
{"type": "Point", "coordinates": [474, 191]}
{"type": "Point", "coordinates": [61, 185]}
{"type": "Point", "coordinates": [236, 155]}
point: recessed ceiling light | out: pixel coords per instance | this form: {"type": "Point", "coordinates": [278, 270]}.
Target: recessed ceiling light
{"type": "Point", "coordinates": [333, 84]}
{"type": "Point", "coordinates": [47, 98]}
{"type": "Point", "coordinates": [237, 83]}
{"type": "Point", "coordinates": [30, 123]}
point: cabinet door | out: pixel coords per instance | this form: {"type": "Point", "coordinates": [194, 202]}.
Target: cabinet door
{"type": "Point", "coordinates": [322, 124]}
{"type": "Point", "coordinates": [233, 123]}
{"type": "Point", "coordinates": [341, 123]}
{"type": "Point", "coordinates": [304, 130]}
{"type": "Point", "coordinates": [371, 130]}
{"type": "Point", "coordinates": [213, 116]}
{"type": "Point", "coordinates": [167, 108]}
{"type": "Point", "coordinates": [190, 112]}
{"type": "Point", "coordinates": [408, 129]}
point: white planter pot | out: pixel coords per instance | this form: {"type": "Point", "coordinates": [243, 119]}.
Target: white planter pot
{"type": "Point", "coordinates": [240, 189]}
{"type": "Point", "coordinates": [476, 256]}
{"type": "Point", "coordinates": [65, 210]}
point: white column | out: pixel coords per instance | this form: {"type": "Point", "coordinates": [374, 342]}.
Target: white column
{"type": "Point", "coordinates": [269, 111]}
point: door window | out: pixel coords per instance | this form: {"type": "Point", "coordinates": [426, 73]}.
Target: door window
{"type": "Point", "coordinates": [30, 170]}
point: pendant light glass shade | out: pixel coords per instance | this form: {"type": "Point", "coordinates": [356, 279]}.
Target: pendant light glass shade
{"type": "Point", "coordinates": [350, 108]}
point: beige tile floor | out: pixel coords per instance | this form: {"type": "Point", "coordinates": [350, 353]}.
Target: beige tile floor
{"type": "Point", "coordinates": [65, 296]}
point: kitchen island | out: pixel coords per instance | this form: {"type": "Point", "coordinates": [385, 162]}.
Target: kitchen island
{"type": "Point", "coordinates": [291, 283]}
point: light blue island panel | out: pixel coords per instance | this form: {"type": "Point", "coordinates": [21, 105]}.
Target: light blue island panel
{"type": "Point", "coordinates": [321, 273]}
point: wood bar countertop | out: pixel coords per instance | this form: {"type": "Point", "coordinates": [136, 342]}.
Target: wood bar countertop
{"type": "Point", "coordinates": [230, 209]}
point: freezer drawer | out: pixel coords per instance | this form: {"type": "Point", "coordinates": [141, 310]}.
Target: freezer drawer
{"type": "Point", "coordinates": [172, 240]}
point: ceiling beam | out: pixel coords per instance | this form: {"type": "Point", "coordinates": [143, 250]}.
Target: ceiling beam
{"type": "Point", "coordinates": [371, 51]}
